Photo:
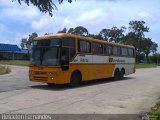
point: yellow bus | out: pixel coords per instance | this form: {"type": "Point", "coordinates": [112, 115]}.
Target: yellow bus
{"type": "Point", "coordinates": [66, 58]}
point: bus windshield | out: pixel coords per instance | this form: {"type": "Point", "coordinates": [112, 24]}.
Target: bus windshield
{"type": "Point", "coordinates": [47, 42]}
{"type": "Point", "coordinates": [46, 52]}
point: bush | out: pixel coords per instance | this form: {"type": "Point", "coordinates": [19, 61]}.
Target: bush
{"type": "Point", "coordinates": [4, 70]}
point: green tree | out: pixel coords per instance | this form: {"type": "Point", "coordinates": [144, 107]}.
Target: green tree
{"type": "Point", "coordinates": [136, 37]}
{"type": "Point", "coordinates": [79, 30]}
{"type": "Point", "coordinates": [45, 6]}
{"type": "Point", "coordinates": [23, 43]}
{"type": "Point", "coordinates": [63, 31]}
{"type": "Point", "coordinates": [48, 33]}
{"type": "Point", "coordinates": [140, 58]}
{"type": "Point", "coordinates": [71, 31]}
{"type": "Point", "coordinates": [96, 36]}
{"type": "Point", "coordinates": [114, 34]}
{"type": "Point", "coordinates": [154, 47]}
{"type": "Point", "coordinates": [148, 47]}
{"type": "Point", "coordinates": [105, 33]}
{"type": "Point", "coordinates": [30, 39]}
{"type": "Point", "coordinates": [26, 43]}
{"type": "Point", "coordinates": [155, 58]}
{"type": "Point", "coordinates": [138, 27]}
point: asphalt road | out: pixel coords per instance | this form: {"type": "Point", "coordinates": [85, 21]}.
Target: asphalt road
{"type": "Point", "coordinates": [137, 93]}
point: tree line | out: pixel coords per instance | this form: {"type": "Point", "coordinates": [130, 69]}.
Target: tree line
{"type": "Point", "coordinates": [133, 35]}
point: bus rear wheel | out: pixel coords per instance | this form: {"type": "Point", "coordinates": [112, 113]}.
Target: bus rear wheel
{"type": "Point", "coordinates": [116, 74]}
{"type": "Point", "coordinates": [75, 79]}
{"type": "Point", "coordinates": [122, 74]}
{"type": "Point", "coordinates": [121, 77]}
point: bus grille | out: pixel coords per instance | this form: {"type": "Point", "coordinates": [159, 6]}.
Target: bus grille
{"type": "Point", "coordinates": [40, 78]}
{"type": "Point", "coordinates": [40, 73]}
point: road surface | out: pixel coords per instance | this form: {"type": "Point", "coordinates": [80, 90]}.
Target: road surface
{"type": "Point", "coordinates": [137, 93]}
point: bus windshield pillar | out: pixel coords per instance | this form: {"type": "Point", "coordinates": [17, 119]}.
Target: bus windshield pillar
{"type": "Point", "coordinates": [65, 59]}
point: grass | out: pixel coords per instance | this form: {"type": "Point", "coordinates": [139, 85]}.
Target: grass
{"type": "Point", "coordinates": [138, 66]}
{"type": "Point", "coordinates": [155, 114]}
{"type": "Point", "coordinates": [15, 62]}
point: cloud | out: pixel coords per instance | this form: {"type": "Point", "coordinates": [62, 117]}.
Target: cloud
{"type": "Point", "coordinates": [148, 17]}
{"type": "Point", "coordinates": [95, 20]}
{"type": "Point", "coordinates": [143, 14]}
{"type": "Point", "coordinates": [43, 24]}
{"type": "Point", "coordinates": [17, 20]}
{"type": "Point", "coordinates": [19, 13]}
{"type": "Point", "coordinates": [89, 19]}
{"type": "Point", "coordinates": [90, 15]}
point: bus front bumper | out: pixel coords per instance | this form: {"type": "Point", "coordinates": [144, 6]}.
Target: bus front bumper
{"type": "Point", "coordinates": [47, 75]}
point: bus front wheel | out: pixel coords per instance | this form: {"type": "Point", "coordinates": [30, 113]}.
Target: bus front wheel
{"type": "Point", "coordinates": [50, 84]}
{"type": "Point", "coordinates": [75, 79]}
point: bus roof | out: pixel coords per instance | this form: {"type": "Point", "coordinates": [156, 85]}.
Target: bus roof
{"type": "Point", "coordinates": [60, 35]}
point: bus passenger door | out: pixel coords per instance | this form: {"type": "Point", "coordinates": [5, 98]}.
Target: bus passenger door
{"type": "Point", "coordinates": [65, 58]}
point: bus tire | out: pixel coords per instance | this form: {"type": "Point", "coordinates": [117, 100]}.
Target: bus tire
{"type": "Point", "coordinates": [116, 74]}
{"type": "Point", "coordinates": [50, 84]}
{"type": "Point", "coordinates": [76, 78]}
{"type": "Point", "coordinates": [122, 74]}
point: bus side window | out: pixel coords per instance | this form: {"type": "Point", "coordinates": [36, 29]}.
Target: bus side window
{"type": "Point", "coordinates": [124, 51]}
{"type": "Point", "coordinates": [116, 51]}
{"type": "Point", "coordinates": [84, 46]}
{"type": "Point", "coordinates": [130, 52]}
{"type": "Point", "coordinates": [108, 50]}
{"type": "Point", "coordinates": [97, 48]}
{"type": "Point", "coordinates": [70, 42]}
{"type": "Point", "coordinates": [119, 51]}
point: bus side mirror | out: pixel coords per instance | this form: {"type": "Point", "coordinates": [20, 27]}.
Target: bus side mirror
{"type": "Point", "coordinates": [65, 59]}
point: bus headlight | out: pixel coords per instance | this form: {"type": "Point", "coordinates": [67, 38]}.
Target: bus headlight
{"type": "Point", "coordinates": [52, 73]}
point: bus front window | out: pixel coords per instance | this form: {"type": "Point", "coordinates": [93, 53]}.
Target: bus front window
{"type": "Point", "coordinates": [46, 52]}
{"type": "Point", "coordinates": [47, 56]}
{"type": "Point", "coordinates": [36, 56]}
{"type": "Point", "coordinates": [51, 56]}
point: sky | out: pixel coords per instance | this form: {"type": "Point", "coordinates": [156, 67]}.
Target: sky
{"type": "Point", "coordinates": [18, 21]}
